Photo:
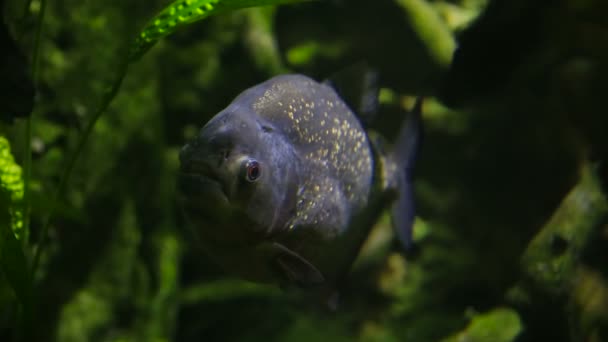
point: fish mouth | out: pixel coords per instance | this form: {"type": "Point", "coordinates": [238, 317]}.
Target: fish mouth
{"type": "Point", "coordinates": [206, 204]}
{"type": "Point", "coordinates": [203, 199]}
{"type": "Point", "coordinates": [198, 177]}
{"type": "Point", "coordinates": [195, 185]}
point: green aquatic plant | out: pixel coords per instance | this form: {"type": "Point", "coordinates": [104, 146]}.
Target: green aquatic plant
{"type": "Point", "coordinates": [498, 325]}
{"type": "Point", "coordinates": [178, 14]}
{"type": "Point", "coordinates": [14, 222]}
{"type": "Point", "coordinates": [11, 182]}
{"type": "Point", "coordinates": [184, 12]}
{"type": "Point", "coordinates": [13, 263]}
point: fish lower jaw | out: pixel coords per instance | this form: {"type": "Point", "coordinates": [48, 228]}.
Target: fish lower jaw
{"type": "Point", "coordinates": [193, 185]}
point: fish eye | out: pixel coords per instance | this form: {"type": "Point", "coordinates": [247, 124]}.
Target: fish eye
{"type": "Point", "coordinates": [252, 170]}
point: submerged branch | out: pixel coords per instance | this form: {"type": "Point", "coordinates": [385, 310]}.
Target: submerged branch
{"type": "Point", "coordinates": [556, 262]}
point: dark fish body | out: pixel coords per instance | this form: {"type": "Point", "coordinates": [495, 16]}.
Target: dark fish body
{"type": "Point", "coordinates": [283, 185]}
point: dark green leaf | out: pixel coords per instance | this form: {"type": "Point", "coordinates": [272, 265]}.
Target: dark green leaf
{"type": "Point", "coordinates": [12, 259]}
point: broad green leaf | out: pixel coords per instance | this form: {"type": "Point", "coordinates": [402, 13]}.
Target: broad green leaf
{"type": "Point", "coordinates": [183, 12]}
{"type": "Point", "coordinates": [12, 259]}
{"type": "Point", "coordinates": [431, 30]}
{"type": "Point", "coordinates": [498, 325]}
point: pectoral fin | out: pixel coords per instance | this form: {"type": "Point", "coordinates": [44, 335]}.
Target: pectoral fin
{"type": "Point", "coordinates": [296, 269]}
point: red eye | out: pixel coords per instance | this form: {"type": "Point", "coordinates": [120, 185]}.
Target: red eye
{"type": "Point", "coordinates": [252, 168]}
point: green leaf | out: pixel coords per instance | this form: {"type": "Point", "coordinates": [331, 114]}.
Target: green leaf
{"type": "Point", "coordinates": [12, 259]}
{"type": "Point", "coordinates": [498, 325]}
{"type": "Point", "coordinates": [184, 12]}
{"type": "Point", "coordinates": [11, 183]}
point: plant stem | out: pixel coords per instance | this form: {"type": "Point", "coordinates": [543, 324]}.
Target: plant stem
{"type": "Point", "coordinates": [27, 174]}
{"type": "Point", "coordinates": [106, 100]}
{"type": "Point", "coordinates": [36, 53]}
{"type": "Point", "coordinates": [26, 9]}
{"type": "Point", "coordinates": [27, 148]}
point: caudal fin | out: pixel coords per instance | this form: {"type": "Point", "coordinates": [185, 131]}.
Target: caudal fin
{"type": "Point", "coordinates": [404, 153]}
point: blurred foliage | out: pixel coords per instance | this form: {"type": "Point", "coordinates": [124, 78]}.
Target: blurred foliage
{"type": "Point", "coordinates": [499, 325]}
{"type": "Point", "coordinates": [512, 231]}
{"type": "Point", "coordinates": [13, 264]}
{"type": "Point", "coordinates": [11, 184]}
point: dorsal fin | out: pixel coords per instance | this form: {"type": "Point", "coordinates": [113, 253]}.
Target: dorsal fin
{"type": "Point", "coordinates": [358, 87]}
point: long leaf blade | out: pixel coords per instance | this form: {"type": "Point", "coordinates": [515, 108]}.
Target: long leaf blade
{"type": "Point", "coordinates": [11, 182]}
{"type": "Point", "coordinates": [12, 258]}
{"type": "Point", "coordinates": [184, 12]}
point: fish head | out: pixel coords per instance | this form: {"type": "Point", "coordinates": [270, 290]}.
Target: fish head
{"type": "Point", "coordinates": [239, 177]}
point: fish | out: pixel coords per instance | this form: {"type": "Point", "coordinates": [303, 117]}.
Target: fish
{"type": "Point", "coordinates": [284, 184]}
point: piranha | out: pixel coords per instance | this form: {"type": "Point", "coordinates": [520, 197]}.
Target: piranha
{"type": "Point", "coordinates": [284, 184]}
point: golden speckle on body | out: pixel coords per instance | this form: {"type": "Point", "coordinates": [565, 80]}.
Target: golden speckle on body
{"type": "Point", "coordinates": [330, 141]}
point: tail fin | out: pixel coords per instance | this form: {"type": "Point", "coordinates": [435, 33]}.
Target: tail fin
{"type": "Point", "coordinates": [404, 154]}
